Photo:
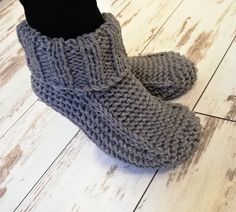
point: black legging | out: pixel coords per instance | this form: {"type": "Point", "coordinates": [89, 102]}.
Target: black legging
{"type": "Point", "coordinates": [62, 18]}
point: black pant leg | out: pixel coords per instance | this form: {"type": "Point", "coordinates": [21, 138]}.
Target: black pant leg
{"type": "Point", "coordinates": [60, 18]}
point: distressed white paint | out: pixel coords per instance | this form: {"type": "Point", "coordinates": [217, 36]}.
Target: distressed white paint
{"type": "Point", "coordinates": [83, 178]}
{"type": "Point", "coordinates": [219, 99]}
{"type": "Point", "coordinates": [28, 149]}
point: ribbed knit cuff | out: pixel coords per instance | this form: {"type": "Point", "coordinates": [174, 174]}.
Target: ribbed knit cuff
{"type": "Point", "coordinates": [93, 61]}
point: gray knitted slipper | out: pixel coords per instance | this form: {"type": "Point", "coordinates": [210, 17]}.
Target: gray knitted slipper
{"type": "Point", "coordinates": [166, 74]}
{"type": "Point", "coordinates": [89, 80]}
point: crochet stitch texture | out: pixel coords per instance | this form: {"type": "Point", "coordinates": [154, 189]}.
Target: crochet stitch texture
{"type": "Point", "coordinates": [89, 80]}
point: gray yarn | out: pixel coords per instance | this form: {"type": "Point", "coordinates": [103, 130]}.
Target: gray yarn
{"type": "Point", "coordinates": [89, 80]}
{"type": "Point", "coordinates": [166, 74]}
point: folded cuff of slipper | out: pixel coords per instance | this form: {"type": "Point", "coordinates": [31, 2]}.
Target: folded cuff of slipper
{"type": "Point", "coordinates": [93, 61]}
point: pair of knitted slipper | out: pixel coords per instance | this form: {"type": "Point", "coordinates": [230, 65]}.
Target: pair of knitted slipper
{"type": "Point", "coordinates": [110, 96]}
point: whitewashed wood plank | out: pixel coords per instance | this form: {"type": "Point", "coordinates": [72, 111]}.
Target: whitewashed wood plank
{"type": "Point", "coordinates": [11, 13]}
{"type": "Point", "coordinates": [15, 98]}
{"type": "Point", "coordinates": [202, 30]}
{"type": "Point", "coordinates": [4, 4]}
{"type": "Point", "coordinates": [140, 20]}
{"type": "Point", "coordinates": [16, 95]}
{"type": "Point", "coordinates": [28, 149]}
{"type": "Point", "coordinates": [205, 183]}
{"type": "Point", "coordinates": [112, 5]}
{"type": "Point", "coordinates": [11, 54]}
{"type": "Point", "coordinates": [85, 179]}
{"type": "Point", "coordinates": [219, 99]}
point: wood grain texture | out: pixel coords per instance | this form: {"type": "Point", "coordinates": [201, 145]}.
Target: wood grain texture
{"type": "Point", "coordinates": [15, 98]}
{"type": "Point", "coordinates": [207, 182]}
{"type": "Point", "coordinates": [140, 20]}
{"type": "Point", "coordinates": [203, 31]}
{"type": "Point", "coordinates": [28, 149]}
{"type": "Point", "coordinates": [16, 95]}
{"type": "Point", "coordinates": [219, 99]}
{"type": "Point", "coordinates": [91, 180]}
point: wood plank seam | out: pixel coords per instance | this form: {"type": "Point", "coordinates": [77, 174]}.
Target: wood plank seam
{"type": "Point", "coordinates": [217, 117]}
{"type": "Point", "coordinates": [47, 169]}
{"type": "Point", "coordinates": [148, 185]}
{"type": "Point", "coordinates": [154, 35]}
{"type": "Point", "coordinates": [17, 120]}
{"type": "Point", "coordinates": [217, 68]}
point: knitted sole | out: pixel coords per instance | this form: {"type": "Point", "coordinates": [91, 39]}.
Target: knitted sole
{"type": "Point", "coordinates": [166, 74]}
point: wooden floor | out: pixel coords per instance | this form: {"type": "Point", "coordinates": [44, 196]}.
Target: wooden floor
{"type": "Point", "coordinates": [48, 165]}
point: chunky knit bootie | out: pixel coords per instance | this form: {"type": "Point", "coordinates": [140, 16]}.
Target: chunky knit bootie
{"type": "Point", "coordinates": [89, 80]}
